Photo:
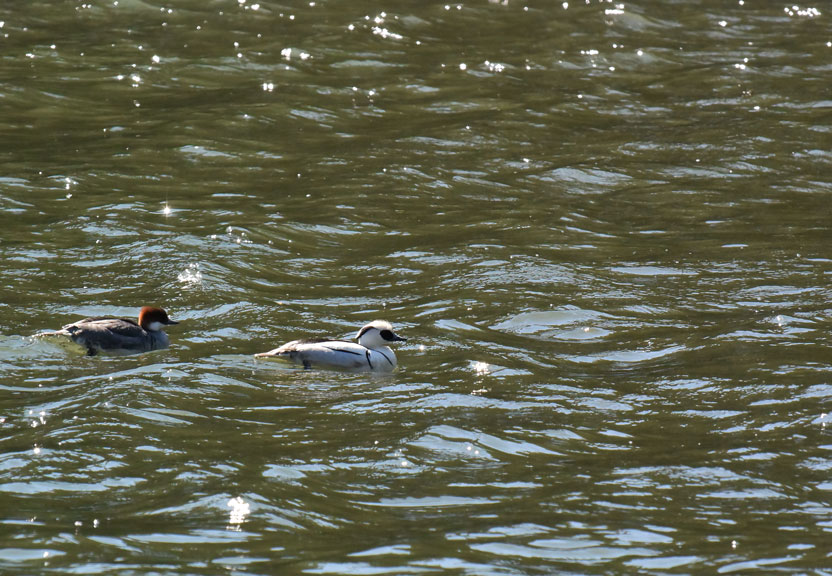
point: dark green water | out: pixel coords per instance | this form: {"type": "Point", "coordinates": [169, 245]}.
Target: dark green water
{"type": "Point", "coordinates": [604, 228]}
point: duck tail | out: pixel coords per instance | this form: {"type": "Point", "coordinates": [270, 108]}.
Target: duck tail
{"type": "Point", "coordinates": [50, 333]}
{"type": "Point", "coordinates": [269, 354]}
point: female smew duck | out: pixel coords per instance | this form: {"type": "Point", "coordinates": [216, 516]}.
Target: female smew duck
{"type": "Point", "coordinates": [119, 336]}
{"type": "Point", "coordinates": [372, 353]}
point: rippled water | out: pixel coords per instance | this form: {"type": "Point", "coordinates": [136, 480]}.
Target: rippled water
{"type": "Point", "coordinates": [604, 228]}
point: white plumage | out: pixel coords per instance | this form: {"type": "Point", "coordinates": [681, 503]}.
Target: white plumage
{"type": "Point", "coordinates": [370, 354]}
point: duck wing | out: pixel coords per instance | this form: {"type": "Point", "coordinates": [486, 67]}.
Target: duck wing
{"type": "Point", "coordinates": [323, 354]}
{"type": "Point", "coordinates": [119, 326]}
{"type": "Point", "coordinates": [289, 348]}
{"type": "Point", "coordinates": [107, 333]}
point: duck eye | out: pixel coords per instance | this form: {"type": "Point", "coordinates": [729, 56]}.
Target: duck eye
{"type": "Point", "coordinates": [387, 335]}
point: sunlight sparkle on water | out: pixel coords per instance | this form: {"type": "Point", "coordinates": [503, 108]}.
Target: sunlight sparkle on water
{"type": "Point", "coordinates": [796, 10]}
{"type": "Point", "coordinates": [287, 54]}
{"type": "Point", "coordinates": [494, 66]}
{"type": "Point", "coordinates": [191, 275]}
{"type": "Point", "coordinates": [166, 210]}
{"type": "Point", "coordinates": [239, 510]}
{"type": "Point", "coordinates": [385, 33]}
{"type": "Point", "coordinates": [481, 368]}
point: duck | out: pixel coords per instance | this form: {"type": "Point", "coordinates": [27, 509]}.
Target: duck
{"type": "Point", "coordinates": [371, 353]}
{"type": "Point", "coordinates": [119, 336]}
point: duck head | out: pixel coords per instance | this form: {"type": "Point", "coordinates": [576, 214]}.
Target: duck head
{"type": "Point", "coordinates": [153, 319]}
{"type": "Point", "coordinates": [378, 333]}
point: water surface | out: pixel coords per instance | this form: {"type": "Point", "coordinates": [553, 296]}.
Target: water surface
{"type": "Point", "coordinates": [604, 228]}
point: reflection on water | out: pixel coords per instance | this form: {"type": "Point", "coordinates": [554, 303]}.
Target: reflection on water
{"type": "Point", "coordinates": [604, 227]}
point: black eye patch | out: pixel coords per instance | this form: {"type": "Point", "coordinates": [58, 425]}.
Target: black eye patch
{"type": "Point", "coordinates": [387, 335]}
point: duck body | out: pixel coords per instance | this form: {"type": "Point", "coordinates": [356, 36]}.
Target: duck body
{"type": "Point", "coordinates": [370, 354]}
{"type": "Point", "coordinates": [119, 336]}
